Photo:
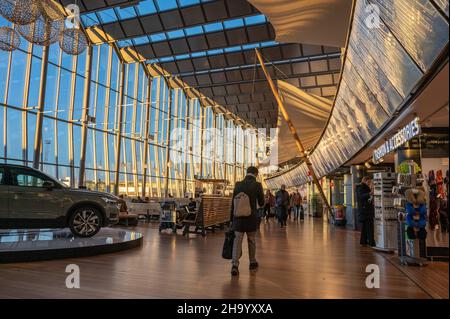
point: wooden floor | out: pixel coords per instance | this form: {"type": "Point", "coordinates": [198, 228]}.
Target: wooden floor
{"type": "Point", "coordinates": [305, 260]}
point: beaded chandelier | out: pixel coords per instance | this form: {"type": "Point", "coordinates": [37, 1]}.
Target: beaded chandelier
{"type": "Point", "coordinates": [20, 12]}
{"type": "Point", "coordinates": [42, 32]}
{"type": "Point", "coordinates": [9, 39]}
{"type": "Point", "coordinates": [73, 41]}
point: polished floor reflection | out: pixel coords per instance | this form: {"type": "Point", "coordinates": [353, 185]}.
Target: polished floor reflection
{"type": "Point", "coordinates": [12, 240]}
{"type": "Point", "coordinates": [18, 245]}
{"type": "Point", "coordinates": [305, 260]}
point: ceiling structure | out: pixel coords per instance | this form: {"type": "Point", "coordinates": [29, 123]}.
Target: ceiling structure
{"type": "Point", "coordinates": [209, 46]}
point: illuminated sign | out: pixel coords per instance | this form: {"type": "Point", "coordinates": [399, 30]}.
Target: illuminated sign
{"type": "Point", "coordinates": [404, 135]}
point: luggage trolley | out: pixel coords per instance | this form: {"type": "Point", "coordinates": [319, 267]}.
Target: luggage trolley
{"type": "Point", "coordinates": [168, 216]}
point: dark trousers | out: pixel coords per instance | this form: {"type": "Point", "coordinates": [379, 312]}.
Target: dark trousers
{"type": "Point", "coordinates": [367, 237]}
{"type": "Point", "coordinates": [267, 211]}
{"type": "Point", "coordinates": [282, 214]}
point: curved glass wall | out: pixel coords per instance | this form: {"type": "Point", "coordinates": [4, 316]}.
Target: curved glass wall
{"type": "Point", "coordinates": [391, 46]}
{"type": "Point", "coordinates": [204, 149]}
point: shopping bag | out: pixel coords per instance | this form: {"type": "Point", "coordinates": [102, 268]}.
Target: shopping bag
{"type": "Point", "coordinates": [227, 251]}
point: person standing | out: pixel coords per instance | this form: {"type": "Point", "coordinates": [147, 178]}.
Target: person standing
{"type": "Point", "coordinates": [297, 204]}
{"type": "Point", "coordinates": [249, 224]}
{"type": "Point", "coordinates": [366, 211]}
{"type": "Point", "coordinates": [282, 204]}
{"type": "Point", "coordinates": [268, 203]}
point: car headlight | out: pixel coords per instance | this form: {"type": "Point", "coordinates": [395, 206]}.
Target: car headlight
{"type": "Point", "coordinates": [108, 200]}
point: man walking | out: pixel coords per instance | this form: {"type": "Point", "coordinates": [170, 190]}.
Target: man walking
{"type": "Point", "coordinates": [282, 203]}
{"type": "Point", "coordinates": [297, 204]}
{"type": "Point", "coordinates": [253, 190]}
{"type": "Point", "coordinates": [366, 212]}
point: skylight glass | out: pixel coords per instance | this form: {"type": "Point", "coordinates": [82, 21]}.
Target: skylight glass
{"type": "Point", "coordinates": [194, 31]}
{"type": "Point", "coordinates": [185, 3]}
{"type": "Point", "coordinates": [158, 37]}
{"type": "Point", "coordinates": [89, 20]}
{"type": "Point", "coordinates": [146, 7]}
{"type": "Point", "coordinates": [213, 52]}
{"type": "Point", "coordinates": [175, 34]}
{"type": "Point", "coordinates": [235, 23]}
{"type": "Point", "coordinates": [141, 40]}
{"type": "Point", "coordinates": [126, 13]}
{"type": "Point", "coordinates": [165, 5]}
{"type": "Point", "coordinates": [107, 16]}
{"type": "Point", "coordinates": [257, 19]}
{"type": "Point", "coordinates": [213, 27]}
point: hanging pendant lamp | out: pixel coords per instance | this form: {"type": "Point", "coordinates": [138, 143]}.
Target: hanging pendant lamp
{"type": "Point", "coordinates": [42, 32]}
{"type": "Point", "coordinates": [73, 41]}
{"type": "Point", "coordinates": [20, 12]}
{"type": "Point", "coordinates": [9, 39]}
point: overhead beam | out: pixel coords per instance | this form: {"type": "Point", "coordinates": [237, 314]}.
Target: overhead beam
{"type": "Point", "coordinates": [294, 133]}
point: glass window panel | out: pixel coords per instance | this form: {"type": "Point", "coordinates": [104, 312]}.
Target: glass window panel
{"type": "Point", "coordinates": [63, 143]}
{"type": "Point", "coordinates": [14, 134]}
{"type": "Point", "coordinates": [104, 64]}
{"type": "Point", "coordinates": [17, 78]}
{"type": "Point", "coordinates": [4, 61]}
{"type": "Point", "coordinates": [51, 89]}
{"type": "Point", "coordinates": [31, 129]}
{"type": "Point", "coordinates": [35, 78]}
{"type": "Point", "coordinates": [65, 84]}
{"type": "Point", "coordinates": [100, 107]}
{"type": "Point", "coordinates": [76, 144]}
{"type": "Point", "coordinates": [100, 158]}
{"type": "Point", "coordinates": [48, 142]}
{"type": "Point", "coordinates": [90, 149]}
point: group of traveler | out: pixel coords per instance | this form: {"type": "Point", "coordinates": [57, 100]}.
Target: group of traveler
{"type": "Point", "coordinates": [282, 204]}
{"type": "Point", "coordinates": [248, 195]}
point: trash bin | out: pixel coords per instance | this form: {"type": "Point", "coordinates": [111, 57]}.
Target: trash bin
{"type": "Point", "coordinates": [339, 215]}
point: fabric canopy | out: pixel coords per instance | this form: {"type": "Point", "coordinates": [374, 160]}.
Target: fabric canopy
{"type": "Point", "coordinates": [319, 22]}
{"type": "Point", "coordinates": [309, 113]}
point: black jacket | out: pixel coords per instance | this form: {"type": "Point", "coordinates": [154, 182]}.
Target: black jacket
{"type": "Point", "coordinates": [283, 197]}
{"type": "Point", "coordinates": [365, 205]}
{"type": "Point", "coordinates": [254, 191]}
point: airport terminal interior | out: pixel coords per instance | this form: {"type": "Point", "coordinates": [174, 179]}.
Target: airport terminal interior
{"type": "Point", "coordinates": [126, 125]}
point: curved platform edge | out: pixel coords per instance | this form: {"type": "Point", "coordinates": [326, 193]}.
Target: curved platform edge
{"type": "Point", "coordinates": [76, 252]}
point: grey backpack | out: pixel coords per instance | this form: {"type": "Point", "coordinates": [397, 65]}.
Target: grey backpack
{"type": "Point", "coordinates": [241, 203]}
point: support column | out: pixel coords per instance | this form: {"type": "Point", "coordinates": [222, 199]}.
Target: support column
{"type": "Point", "coordinates": [25, 113]}
{"type": "Point", "coordinates": [119, 129]}
{"type": "Point", "coordinates": [294, 133]}
{"type": "Point", "coordinates": [85, 114]}
{"type": "Point", "coordinates": [169, 127]}
{"type": "Point", "coordinates": [146, 133]}
{"type": "Point", "coordinates": [41, 104]}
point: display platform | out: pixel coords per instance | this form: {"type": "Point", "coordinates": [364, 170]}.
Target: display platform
{"type": "Point", "coordinates": [21, 245]}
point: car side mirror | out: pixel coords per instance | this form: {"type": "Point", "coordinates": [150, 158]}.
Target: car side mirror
{"type": "Point", "coordinates": [49, 185]}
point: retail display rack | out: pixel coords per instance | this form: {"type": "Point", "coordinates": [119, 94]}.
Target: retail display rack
{"type": "Point", "coordinates": [385, 224]}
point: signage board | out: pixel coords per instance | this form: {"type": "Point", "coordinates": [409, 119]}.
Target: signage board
{"type": "Point", "coordinates": [407, 133]}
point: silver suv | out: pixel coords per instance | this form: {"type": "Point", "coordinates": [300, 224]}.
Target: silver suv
{"type": "Point", "coordinates": [32, 199]}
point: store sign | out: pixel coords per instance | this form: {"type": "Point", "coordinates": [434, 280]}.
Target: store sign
{"type": "Point", "coordinates": [404, 135]}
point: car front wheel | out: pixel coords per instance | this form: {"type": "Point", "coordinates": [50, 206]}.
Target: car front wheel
{"type": "Point", "coordinates": [85, 222]}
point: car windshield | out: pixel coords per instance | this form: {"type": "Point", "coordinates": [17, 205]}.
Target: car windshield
{"type": "Point", "coordinates": [55, 180]}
